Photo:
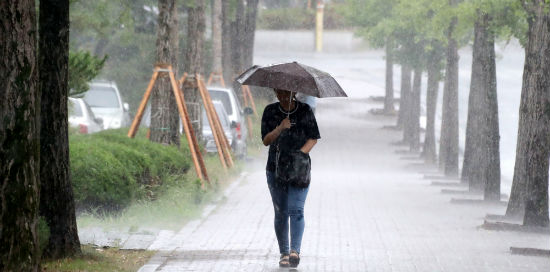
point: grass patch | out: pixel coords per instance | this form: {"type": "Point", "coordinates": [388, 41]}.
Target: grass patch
{"type": "Point", "coordinates": [98, 259]}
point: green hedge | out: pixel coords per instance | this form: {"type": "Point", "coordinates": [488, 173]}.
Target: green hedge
{"type": "Point", "coordinates": [110, 170]}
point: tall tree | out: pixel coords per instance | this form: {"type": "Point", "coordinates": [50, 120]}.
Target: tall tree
{"type": "Point", "coordinates": [531, 167]}
{"type": "Point", "coordinates": [448, 152]}
{"type": "Point", "coordinates": [481, 167]}
{"type": "Point", "coordinates": [56, 192]}
{"type": "Point", "coordinates": [164, 112]}
{"type": "Point", "coordinates": [370, 16]}
{"type": "Point", "coordinates": [228, 12]}
{"type": "Point", "coordinates": [249, 31]}
{"type": "Point", "coordinates": [414, 127]}
{"type": "Point", "coordinates": [434, 60]}
{"type": "Point", "coordinates": [403, 116]}
{"type": "Point", "coordinates": [388, 98]}
{"type": "Point", "coordinates": [19, 137]}
{"type": "Point", "coordinates": [217, 19]}
{"type": "Point", "coordinates": [194, 60]}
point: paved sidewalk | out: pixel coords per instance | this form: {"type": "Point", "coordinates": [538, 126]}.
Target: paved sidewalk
{"type": "Point", "coordinates": [368, 210]}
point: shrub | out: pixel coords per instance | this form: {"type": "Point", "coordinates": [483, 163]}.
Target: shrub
{"type": "Point", "coordinates": [110, 170]}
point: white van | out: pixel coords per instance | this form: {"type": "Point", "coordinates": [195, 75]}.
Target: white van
{"type": "Point", "coordinates": [236, 116]}
{"type": "Point", "coordinates": [105, 100]}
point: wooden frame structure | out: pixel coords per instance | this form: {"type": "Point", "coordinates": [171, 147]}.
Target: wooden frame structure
{"type": "Point", "coordinates": [218, 76]}
{"type": "Point", "coordinates": [222, 144]}
{"type": "Point", "coordinates": [247, 97]}
{"type": "Point", "coordinates": [165, 70]}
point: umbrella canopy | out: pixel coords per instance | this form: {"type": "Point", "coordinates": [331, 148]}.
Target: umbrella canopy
{"type": "Point", "coordinates": [294, 77]}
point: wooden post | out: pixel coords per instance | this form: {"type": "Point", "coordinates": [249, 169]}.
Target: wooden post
{"type": "Point", "coordinates": [251, 100]}
{"type": "Point", "coordinates": [142, 105]}
{"type": "Point", "coordinates": [182, 109]}
{"type": "Point", "coordinates": [216, 75]}
{"type": "Point", "coordinates": [189, 132]}
{"type": "Point", "coordinates": [210, 111]}
{"type": "Point", "coordinates": [225, 142]}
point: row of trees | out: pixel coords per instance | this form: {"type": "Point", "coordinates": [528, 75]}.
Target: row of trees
{"type": "Point", "coordinates": [424, 36]}
{"type": "Point", "coordinates": [34, 86]}
{"type": "Point", "coordinates": [34, 153]}
{"type": "Point", "coordinates": [233, 26]}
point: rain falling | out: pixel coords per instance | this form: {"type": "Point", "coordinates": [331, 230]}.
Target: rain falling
{"type": "Point", "coordinates": [274, 135]}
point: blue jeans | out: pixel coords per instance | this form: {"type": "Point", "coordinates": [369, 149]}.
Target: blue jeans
{"type": "Point", "coordinates": [288, 203]}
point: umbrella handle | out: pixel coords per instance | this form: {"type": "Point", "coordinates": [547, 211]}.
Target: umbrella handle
{"type": "Point", "coordinates": [289, 104]}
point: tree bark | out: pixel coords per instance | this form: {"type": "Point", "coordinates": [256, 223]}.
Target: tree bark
{"type": "Point", "coordinates": [19, 137]}
{"type": "Point", "coordinates": [404, 97]}
{"type": "Point", "coordinates": [448, 153]}
{"type": "Point", "coordinates": [196, 26]}
{"type": "Point", "coordinates": [56, 191]}
{"type": "Point", "coordinates": [164, 111]}
{"type": "Point", "coordinates": [483, 160]}
{"type": "Point", "coordinates": [530, 186]}
{"type": "Point", "coordinates": [429, 149]}
{"type": "Point", "coordinates": [238, 38]}
{"type": "Point", "coordinates": [249, 31]}
{"type": "Point", "coordinates": [217, 19]}
{"type": "Point", "coordinates": [227, 15]}
{"type": "Point", "coordinates": [472, 171]}
{"type": "Point", "coordinates": [490, 133]}
{"type": "Point", "coordinates": [414, 127]}
{"type": "Point", "coordinates": [388, 98]}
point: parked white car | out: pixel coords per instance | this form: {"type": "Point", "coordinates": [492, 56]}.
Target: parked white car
{"type": "Point", "coordinates": [236, 116]}
{"type": "Point", "coordinates": [105, 100]}
{"type": "Point", "coordinates": [230, 133]}
{"type": "Point", "coordinates": [82, 117]}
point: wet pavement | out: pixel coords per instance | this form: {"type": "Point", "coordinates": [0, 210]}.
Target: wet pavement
{"type": "Point", "coordinates": [369, 208]}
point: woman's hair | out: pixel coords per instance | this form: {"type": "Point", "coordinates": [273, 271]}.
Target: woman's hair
{"type": "Point", "coordinates": [282, 90]}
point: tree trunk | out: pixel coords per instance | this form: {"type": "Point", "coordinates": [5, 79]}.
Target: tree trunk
{"type": "Point", "coordinates": [19, 137]}
{"type": "Point", "coordinates": [472, 170]}
{"type": "Point", "coordinates": [404, 96]}
{"type": "Point", "coordinates": [388, 98]}
{"type": "Point", "coordinates": [196, 26]}
{"type": "Point", "coordinates": [237, 44]}
{"type": "Point", "coordinates": [238, 39]}
{"type": "Point", "coordinates": [429, 149]}
{"type": "Point", "coordinates": [56, 192]}
{"type": "Point", "coordinates": [491, 135]}
{"type": "Point", "coordinates": [164, 112]}
{"type": "Point", "coordinates": [227, 17]}
{"type": "Point", "coordinates": [448, 153]}
{"type": "Point", "coordinates": [533, 143]}
{"type": "Point", "coordinates": [217, 35]}
{"type": "Point", "coordinates": [414, 127]}
{"type": "Point", "coordinates": [249, 31]}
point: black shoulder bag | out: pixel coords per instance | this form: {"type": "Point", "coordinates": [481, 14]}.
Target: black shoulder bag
{"type": "Point", "coordinates": [292, 167]}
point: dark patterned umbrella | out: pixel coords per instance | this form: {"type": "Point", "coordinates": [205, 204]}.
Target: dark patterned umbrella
{"type": "Point", "coordinates": [294, 77]}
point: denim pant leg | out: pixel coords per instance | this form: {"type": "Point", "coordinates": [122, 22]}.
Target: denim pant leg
{"type": "Point", "coordinates": [280, 204]}
{"type": "Point", "coordinates": [296, 201]}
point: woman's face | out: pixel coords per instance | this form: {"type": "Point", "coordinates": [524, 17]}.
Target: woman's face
{"type": "Point", "coordinates": [283, 96]}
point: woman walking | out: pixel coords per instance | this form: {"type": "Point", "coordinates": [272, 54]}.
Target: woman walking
{"type": "Point", "coordinates": [290, 130]}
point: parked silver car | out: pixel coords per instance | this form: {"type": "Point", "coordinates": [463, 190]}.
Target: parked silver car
{"type": "Point", "coordinates": [105, 100]}
{"type": "Point", "coordinates": [236, 116]}
{"type": "Point", "coordinates": [230, 133]}
{"type": "Point", "coordinates": [82, 117]}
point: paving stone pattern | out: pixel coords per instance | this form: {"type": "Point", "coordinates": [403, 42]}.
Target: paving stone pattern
{"type": "Point", "coordinates": [367, 210]}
